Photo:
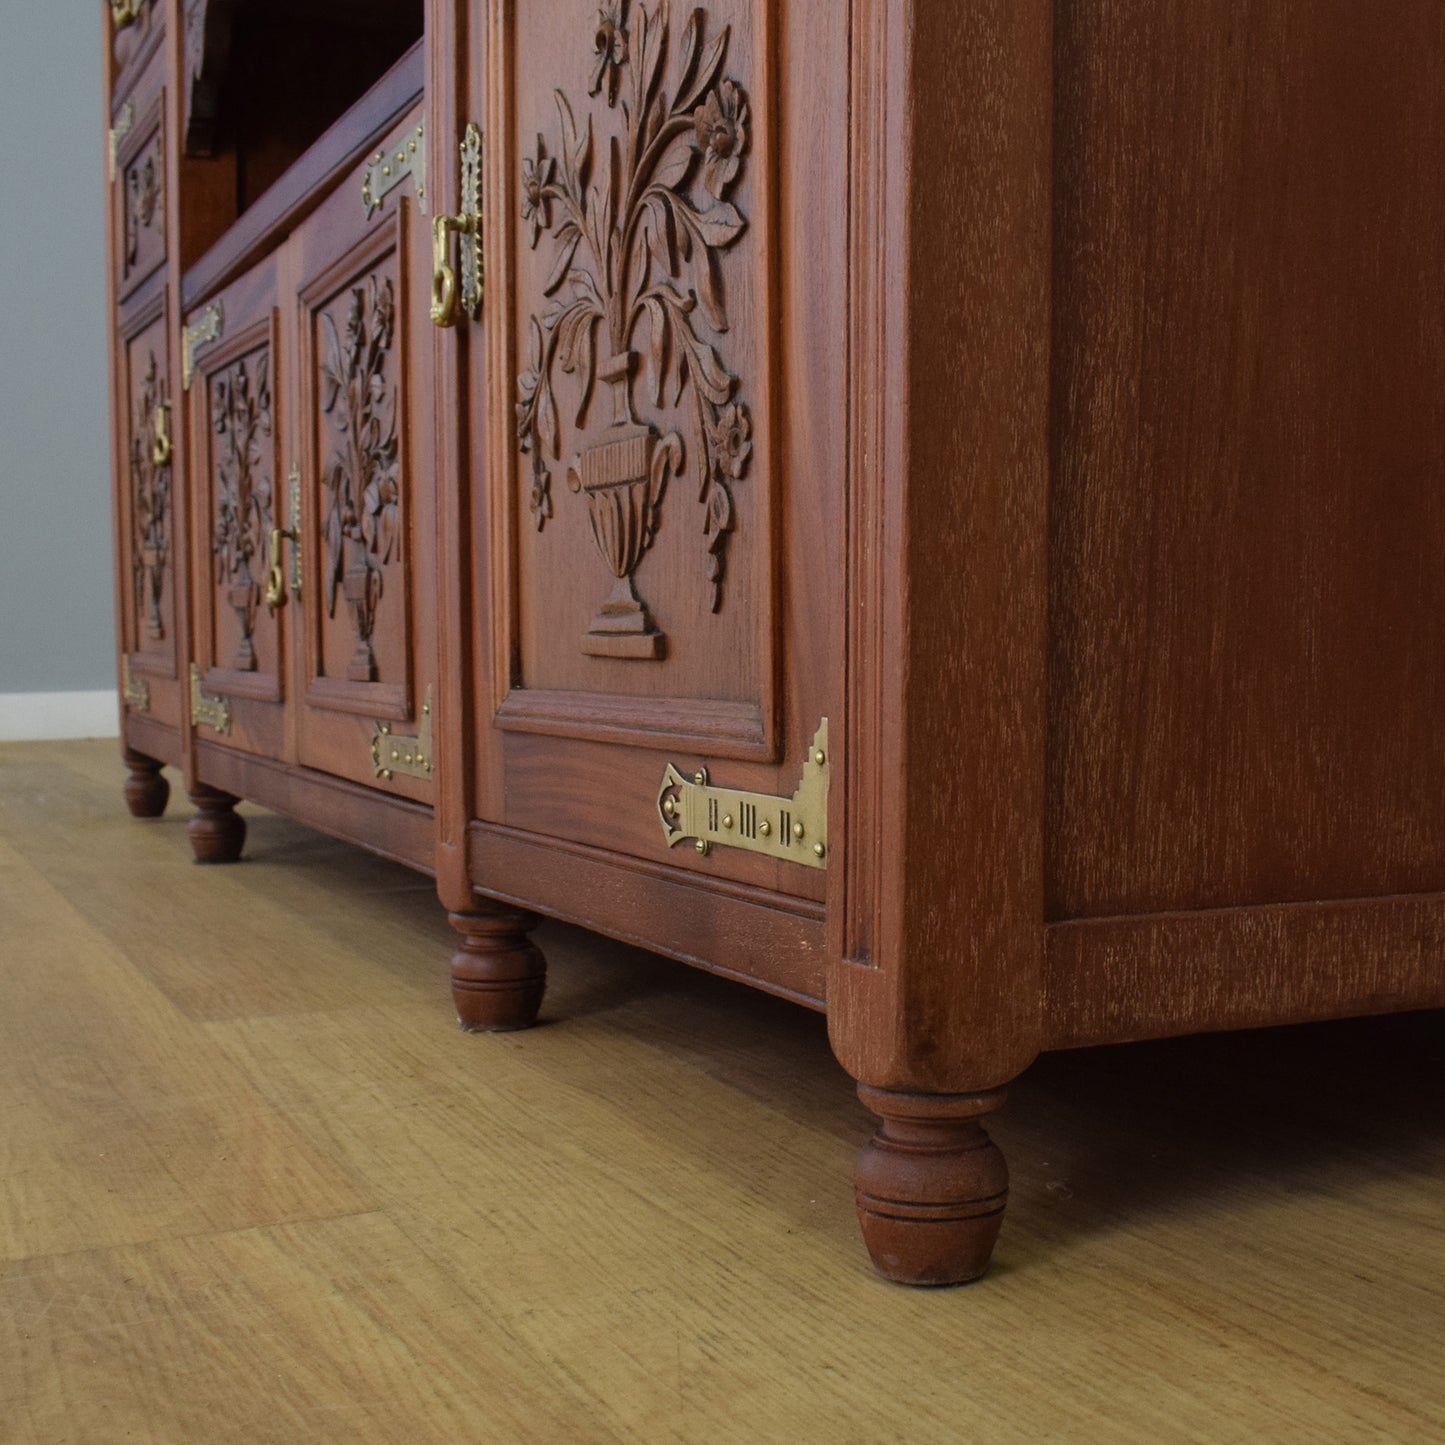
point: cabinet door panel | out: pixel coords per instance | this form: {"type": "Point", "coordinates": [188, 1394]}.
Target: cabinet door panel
{"type": "Point", "coordinates": [148, 537]}
{"type": "Point", "coordinates": [363, 447]}
{"type": "Point", "coordinates": [140, 193]}
{"type": "Point", "coordinates": [236, 458]}
{"type": "Point", "coordinates": [654, 487]}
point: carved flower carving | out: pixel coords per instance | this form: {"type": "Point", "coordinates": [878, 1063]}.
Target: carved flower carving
{"type": "Point", "coordinates": [732, 440]}
{"type": "Point", "coordinates": [537, 175]}
{"type": "Point", "coordinates": [611, 50]}
{"type": "Point", "coordinates": [720, 126]}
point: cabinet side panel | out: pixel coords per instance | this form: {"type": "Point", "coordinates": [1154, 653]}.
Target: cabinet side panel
{"type": "Point", "coordinates": [1247, 529]}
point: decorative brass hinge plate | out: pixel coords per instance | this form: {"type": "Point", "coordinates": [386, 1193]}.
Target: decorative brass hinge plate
{"type": "Point", "coordinates": [208, 711]}
{"type": "Point", "coordinates": [135, 691]}
{"type": "Point", "coordinates": [411, 757]}
{"type": "Point", "coordinates": [471, 198]}
{"type": "Point", "coordinates": [118, 133]}
{"type": "Point", "coordinates": [794, 829]}
{"type": "Point", "coordinates": [389, 168]}
{"type": "Point", "coordinates": [201, 332]}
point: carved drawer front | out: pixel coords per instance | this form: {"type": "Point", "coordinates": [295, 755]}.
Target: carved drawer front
{"type": "Point", "coordinates": [653, 488]}
{"type": "Point", "coordinates": [148, 531]}
{"type": "Point", "coordinates": [140, 193]}
{"type": "Point", "coordinates": [239, 497]}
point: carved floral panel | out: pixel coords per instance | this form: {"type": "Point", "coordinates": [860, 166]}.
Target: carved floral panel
{"type": "Point", "coordinates": [638, 278]}
{"type": "Point", "coordinates": [361, 485]}
{"type": "Point", "coordinates": [148, 464]}
{"type": "Point", "coordinates": [243, 485]}
{"type": "Point", "coordinates": [143, 238]}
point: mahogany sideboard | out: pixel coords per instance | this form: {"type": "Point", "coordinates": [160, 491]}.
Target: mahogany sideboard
{"type": "Point", "coordinates": [933, 509]}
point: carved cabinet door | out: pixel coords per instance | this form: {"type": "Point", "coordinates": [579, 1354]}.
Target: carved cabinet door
{"type": "Point", "coordinates": [150, 546]}
{"type": "Point", "coordinates": [653, 488]}
{"type": "Point", "coordinates": [360, 449]}
{"type": "Point", "coordinates": [233, 368]}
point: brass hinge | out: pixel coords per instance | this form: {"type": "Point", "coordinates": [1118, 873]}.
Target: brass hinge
{"type": "Point", "coordinates": [392, 753]}
{"type": "Point", "coordinates": [450, 296]}
{"type": "Point", "coordinates": [135, 691]}
{"type": "Point", "coordinates": [118, 133]}
{"type": "Point", "coordinates": [208, 711]}
{"type": "Point", "coordinates": [793, 829]}
{"type": "Point", "coordinates": [388, 169]}
{"type": "Point", "coordinates": [198, 334]}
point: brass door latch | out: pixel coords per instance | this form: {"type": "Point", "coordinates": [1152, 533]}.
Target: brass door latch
{"type": "Point", "coordinates": [276, 579]}
{"type": "Point", "coordinates": [456, 290]}
{"type": "Point", "coordinates": [793, 829]}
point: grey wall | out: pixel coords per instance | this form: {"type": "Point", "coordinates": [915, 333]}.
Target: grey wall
{"type": "Point", "coordinates": [56, 601]}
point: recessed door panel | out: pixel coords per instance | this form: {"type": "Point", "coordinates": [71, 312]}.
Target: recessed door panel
{"type": "Point", "coordinates": [149, 539]}
{"type": "Point", "coordinates": [648, 483]}
{"type": "Point", "coordinates": [236, 420]}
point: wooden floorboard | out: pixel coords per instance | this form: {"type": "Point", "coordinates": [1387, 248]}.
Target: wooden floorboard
{"type": "Point", "coordinates": [255, 1186]}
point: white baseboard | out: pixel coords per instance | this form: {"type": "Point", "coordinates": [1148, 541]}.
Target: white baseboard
{"type": "Point", "coordinates": [34, 716]}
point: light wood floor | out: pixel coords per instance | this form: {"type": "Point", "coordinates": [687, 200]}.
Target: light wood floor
{"type": "Point", "coordinates": [255, 1186]}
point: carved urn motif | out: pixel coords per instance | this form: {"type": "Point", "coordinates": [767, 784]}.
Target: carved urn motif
{"type": "Point", "coordinates": [623, 476]}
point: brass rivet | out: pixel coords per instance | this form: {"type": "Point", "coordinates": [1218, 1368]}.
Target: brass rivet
{"type": "Point", "coordinates": [819, 849]}
{"type": "Point", "coordinates": [765, 829]}
{"type": "Point", "coordinates": [669, 807]}
{"type": "Point", "coordinates": [386, 170]}
{"type": "Point", "coordinates": [797, 830]}
{"type": "Point", "coordinates": [727, 820]}
{"type": "Point", "coordinates": [820, 757]}
{"type": "Point", "coordinates": [701, 845]}
{"type": "Point", "coordinates": [412, 146]}
{"type": "Point", "coordinates": [700, 779]}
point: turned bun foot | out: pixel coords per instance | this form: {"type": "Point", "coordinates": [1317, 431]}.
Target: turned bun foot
{"type": "Point", "coordinates": [146, 790]}
{"type": "Point", "coordinates": [498, 973]}
{"type": "Point", "coordinates": [217, 832]}
{"type": "Point", "coordinates": [930, 1186]}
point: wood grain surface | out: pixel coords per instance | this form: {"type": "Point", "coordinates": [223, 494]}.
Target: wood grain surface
{"type": "Point", "coordinates": [255, 1188]}
{"type": "Point", "coordinates": [1246, 669]}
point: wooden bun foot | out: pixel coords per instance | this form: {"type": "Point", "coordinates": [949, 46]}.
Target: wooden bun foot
{"type": "Point", "coordinates": [498, 973]}
{"type": "Point", "coordinates": [217, 832]}
{"type": "Point", "coordinates": [930, 1186]}
{"type": "Point", "coordinates": [146, 790]}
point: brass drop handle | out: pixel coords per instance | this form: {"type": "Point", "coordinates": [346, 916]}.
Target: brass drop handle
{"type": "Point", "coordinates": [276, 579]}
{"type": "Point", "coordinates": [444, 308]}
{"type": "Point", "coordinates": [276, 582]}
{"type": "Point", "coordinates": [161, 448]}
